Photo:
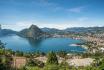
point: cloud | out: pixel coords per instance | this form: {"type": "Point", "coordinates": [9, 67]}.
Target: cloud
{"type": "Point", "coordinates": [78, 22]}
{"type": "Point", "coordinates": [17, 26]}
{"type": "Point", "coordinates": [26, 24]}
{"type": "Point", "coordinates": [76, 9]}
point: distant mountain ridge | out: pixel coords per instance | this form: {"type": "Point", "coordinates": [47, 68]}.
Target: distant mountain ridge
{"type": "Point", "coordinates": [5, 32]}
{"type": "Point", "coordinates": [51, 30]}
{"type": "Point", "coordinates": [75, 30]}
{"type": "Point", "coordinates": [87, 29]}
{"type": "Point", "coordinates": [35, 32]}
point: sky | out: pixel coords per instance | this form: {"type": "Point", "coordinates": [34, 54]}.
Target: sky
{"type": "Point", "coordinates": [60, 14]}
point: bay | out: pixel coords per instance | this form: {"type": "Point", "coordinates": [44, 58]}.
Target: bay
{"type": "Point", "coordinates": [16, 43]}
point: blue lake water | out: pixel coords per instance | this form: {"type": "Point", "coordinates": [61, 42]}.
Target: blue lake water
{"type": "Point", "coordinates": [15, 43]}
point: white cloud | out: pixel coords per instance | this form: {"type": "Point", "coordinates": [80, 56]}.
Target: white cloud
{"type": "Point", "coordinates": [79, 22]}
{"type": "Point", "coordinates": [76, 9]}
{"type": "Point", "coordinates": [21, 25]}
{"type": "Point", "coordinates": [17, 26]}
{"type": "Point", "coordinates": [26, 24]}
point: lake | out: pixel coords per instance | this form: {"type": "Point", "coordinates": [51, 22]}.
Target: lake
{"type": "Point", "coordinates": [15, 43]}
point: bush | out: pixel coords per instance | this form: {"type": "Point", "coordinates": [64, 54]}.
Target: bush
{"type": "Point", "coordinates": [33, 62]}
{"type": "Point", "coordinates": [51, 67]}
{"type": "Point", "coordinates": [52, 58]}
{"type": "Point", "coordinates": [62, 54]}
{"type": "Point", "coordinates": [64, 65]}
{"type": "Point", "coordinates": [19, 53]}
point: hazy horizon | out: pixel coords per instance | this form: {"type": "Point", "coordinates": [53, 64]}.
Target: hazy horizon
{"type": "Point", "coordinates": [46, 27]}
{"type": "Point", "coordinates": [60, 14]}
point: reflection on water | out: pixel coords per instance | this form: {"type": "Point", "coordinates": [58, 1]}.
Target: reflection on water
{"type": "Point", "coordinates": [34, 42]}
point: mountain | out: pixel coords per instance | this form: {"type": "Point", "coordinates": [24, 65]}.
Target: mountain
{"type": "Point", "coordinates": [33, 32]}
{"type": "Point", "coordinates": [74, 30]}
{"type": "Point", "coordinates": [51, 30]}
{"type": "Point", "coordinates": [5, 32]}
{"type": "Point", "coordinates": [86, 30]}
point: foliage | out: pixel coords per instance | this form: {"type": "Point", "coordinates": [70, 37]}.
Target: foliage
{"type": "Point", "coordinates": [19, 53]}
{"type": "Point", "coordinates": [5, 63]}
{"type": "Point", "coordinates": [33, 62]}
{"type": "Point", "coordinates": [33, 68]}
{"type": "Point", "coordinates": [62, 54]}
{"type": "Point", "coordinates": [51, 67]}
{"type": "Point", "coordinates": [64, 65]}
{"type": "Point", "coordinates": [52, 58]}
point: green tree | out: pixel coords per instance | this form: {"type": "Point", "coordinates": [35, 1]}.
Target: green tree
{"type": "Point", "coordinates": [5, 63]}
{"type": "Point", "coordinates": [101, 67]}
{"type": "Point", "coordinates": [62, 54]}
{"type": "Point", "coordinates": [64, 65]}
{"type": "Point", "coordinates": [52, 58]}
{"type": "Point", "coordinates": [19, 53]}
{"type": "Point", "coordinates": [31, 62]}
{"type": "Point", "coordinates": [2, 48]}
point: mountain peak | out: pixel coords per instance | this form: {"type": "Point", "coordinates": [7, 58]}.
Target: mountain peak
{"type": "Point", "coordinates": [33, 27]}
{"type": "Point", "coordinates": [33, 31]}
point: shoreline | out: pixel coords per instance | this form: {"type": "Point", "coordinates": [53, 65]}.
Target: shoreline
{"type": "Point", "coordinates": [74, 45]}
